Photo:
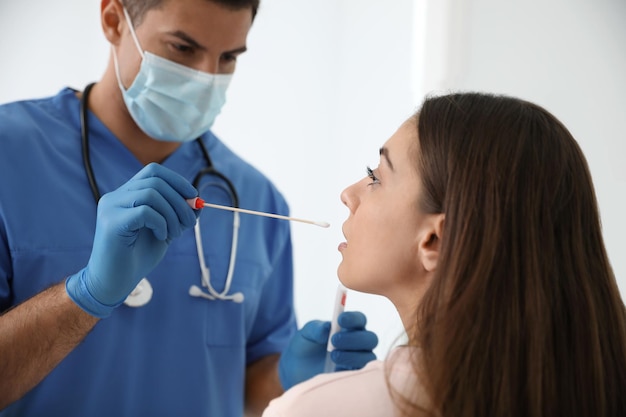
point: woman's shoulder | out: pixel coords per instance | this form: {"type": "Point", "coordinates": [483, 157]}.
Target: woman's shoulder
{"type": "Point", "coordinates": [364, 392]}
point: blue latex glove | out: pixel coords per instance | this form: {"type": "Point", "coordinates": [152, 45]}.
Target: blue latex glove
{"type": "Point", "coordinates": [134, 227]}
{"type": "Point", "coordinates": [305, 356]}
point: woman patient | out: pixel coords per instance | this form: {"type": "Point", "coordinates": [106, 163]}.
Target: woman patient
{"type": "Point", "coordinates": [480, 224]}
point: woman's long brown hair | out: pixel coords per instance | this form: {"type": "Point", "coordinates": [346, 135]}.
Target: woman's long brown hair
{"type": "Point", "coordinates": [524, 317]}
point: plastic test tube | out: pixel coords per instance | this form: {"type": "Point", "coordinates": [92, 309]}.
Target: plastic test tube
{"type": "Point", "coordinates": [340, 305]}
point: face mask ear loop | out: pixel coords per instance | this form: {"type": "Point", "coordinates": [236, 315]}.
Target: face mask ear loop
{"type": "Point", "coordinates": [136, 40]}
{"type": "Point", "coordinates": [117, 69]}
{"type": "Point", "coordinates": [132, 32]}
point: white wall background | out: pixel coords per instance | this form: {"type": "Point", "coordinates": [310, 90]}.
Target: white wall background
{"type": "Point", "coordinates": [567, 55]}
{"type": "Point", "coordinates": [326, 82]}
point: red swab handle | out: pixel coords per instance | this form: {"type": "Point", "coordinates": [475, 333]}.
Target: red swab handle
{"type": "Point", "coordinates": [195, 203]}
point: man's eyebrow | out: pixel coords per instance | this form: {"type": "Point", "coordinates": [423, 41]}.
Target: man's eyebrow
{"type": "Point", "coordinates": [184, 37]}
{"type": "Point", "coordinates": [192, 42]}
{"type": "Point", "coordinates": [237, 51]}
{"type": "Point", "coordinates": [385, 153]}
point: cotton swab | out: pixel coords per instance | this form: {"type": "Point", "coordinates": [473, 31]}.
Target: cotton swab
{"type": "Point", "coordinates": [198, 203]}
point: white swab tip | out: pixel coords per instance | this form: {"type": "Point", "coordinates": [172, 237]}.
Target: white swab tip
{"type": "Point", "coordinates": [322, 224]}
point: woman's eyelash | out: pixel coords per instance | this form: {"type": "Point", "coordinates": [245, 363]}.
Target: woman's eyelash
{"type": "Point", "coordinates": [373, 177]}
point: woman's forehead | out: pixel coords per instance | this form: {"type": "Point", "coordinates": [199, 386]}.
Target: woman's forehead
{"type": "Point", "coordinates": [401, 143]}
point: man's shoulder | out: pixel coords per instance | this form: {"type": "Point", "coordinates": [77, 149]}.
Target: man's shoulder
{"type": "Point", "coordinates": [15, 112]}
{"type": "Point", "coordinates": [30, 118]}
{"type": "Point", "coordinates": [33, 130]}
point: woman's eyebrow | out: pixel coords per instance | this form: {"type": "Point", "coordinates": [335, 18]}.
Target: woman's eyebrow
{"type": "Point", "coordinates": [384, 152]}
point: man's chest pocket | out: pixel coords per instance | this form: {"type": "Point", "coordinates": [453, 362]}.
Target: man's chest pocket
{"type": "Point", "coordinates": [228, 322]}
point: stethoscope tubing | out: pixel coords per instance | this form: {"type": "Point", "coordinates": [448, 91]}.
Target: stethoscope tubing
{"type": "Point", "coordinates": [136, 298]}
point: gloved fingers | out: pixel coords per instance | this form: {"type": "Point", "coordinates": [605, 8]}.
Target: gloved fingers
{"type": "Point", "coordinates": [355, 340]}
{"type": "Point", "coordinates": [171, 206]}
{"type": "Point", "coordinates": [185, 214]}
{"type": "Point", "coordinates": [175, 180]}
{"type": "Point", "coordinates": [352, 320]}
{"type": "Point", "coordinates": [179, 184]}
{"type": "Point", "coordinates": [305, 355]}
{"type": "Point", "coordinates": [130, 206]}
{"type": "Point", "coordinates": [316, 331]}
{"type": "Point", "coordinates": [351, 360]}
{"type": "Point", "coordinates": [145, 217]}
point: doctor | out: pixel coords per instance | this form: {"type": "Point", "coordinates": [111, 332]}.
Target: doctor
{"type": "Point", "coordinates": [111, 304]}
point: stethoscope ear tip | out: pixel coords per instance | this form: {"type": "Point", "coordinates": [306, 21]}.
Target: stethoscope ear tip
{"type": "Point", "coordinates": [196, 291]}
{"type": "Point", "coordinates": [193, 290]}
{"type": "Point", "coordinates": [237, 297]}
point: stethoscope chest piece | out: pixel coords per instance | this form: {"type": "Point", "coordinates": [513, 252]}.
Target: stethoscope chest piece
{"type": "Point", "coordinates": [141, 295]}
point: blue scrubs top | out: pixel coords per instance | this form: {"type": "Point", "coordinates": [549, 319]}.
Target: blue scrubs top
{"type": "Point", "coordinates": [177, 355]}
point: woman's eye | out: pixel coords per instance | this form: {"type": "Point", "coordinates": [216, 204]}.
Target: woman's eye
{"type": "Point", "coordinates": [373, 177]}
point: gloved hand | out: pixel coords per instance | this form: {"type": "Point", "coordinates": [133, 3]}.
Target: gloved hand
{"type": "Point", "coordinates": [305, 356]}
{"type": "Point", "coordinates": [134, 227]}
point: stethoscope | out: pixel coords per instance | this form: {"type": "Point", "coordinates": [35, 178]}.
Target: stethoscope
{"type": "Point", "coordinates": [142, 293]}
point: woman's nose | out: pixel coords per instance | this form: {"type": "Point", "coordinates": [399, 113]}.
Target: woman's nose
{"type": "Point", "coordinates": [349, 197]}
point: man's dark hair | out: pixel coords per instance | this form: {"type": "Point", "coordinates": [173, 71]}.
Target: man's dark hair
{"type": "Point", "coordinates": [137, 9]}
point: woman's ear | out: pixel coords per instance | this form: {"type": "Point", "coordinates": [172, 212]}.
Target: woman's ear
{"type": "Point", "coordinates": [111, 13]}
{"type": "Point", "coordinates": [430, 243]}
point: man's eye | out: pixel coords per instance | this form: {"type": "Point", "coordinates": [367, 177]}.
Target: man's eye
{"type": "Point", "coordinates": [229, 58]}
{"type": "Point", "coordinates": [186, 49]}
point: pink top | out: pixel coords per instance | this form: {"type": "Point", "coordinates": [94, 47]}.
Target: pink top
{"type": "Point", "coordinates": [360, 393]}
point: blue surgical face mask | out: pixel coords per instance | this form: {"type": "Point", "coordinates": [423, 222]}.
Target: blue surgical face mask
{"type": "Point", "coordinates": [169, 101]}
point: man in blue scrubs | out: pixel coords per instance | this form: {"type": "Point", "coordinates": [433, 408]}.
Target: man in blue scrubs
{"type": "Point", "coordinates": [82, 333]}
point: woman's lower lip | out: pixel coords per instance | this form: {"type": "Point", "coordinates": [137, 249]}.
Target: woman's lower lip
{"type": "Point", "coordinates": [342, 246]}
